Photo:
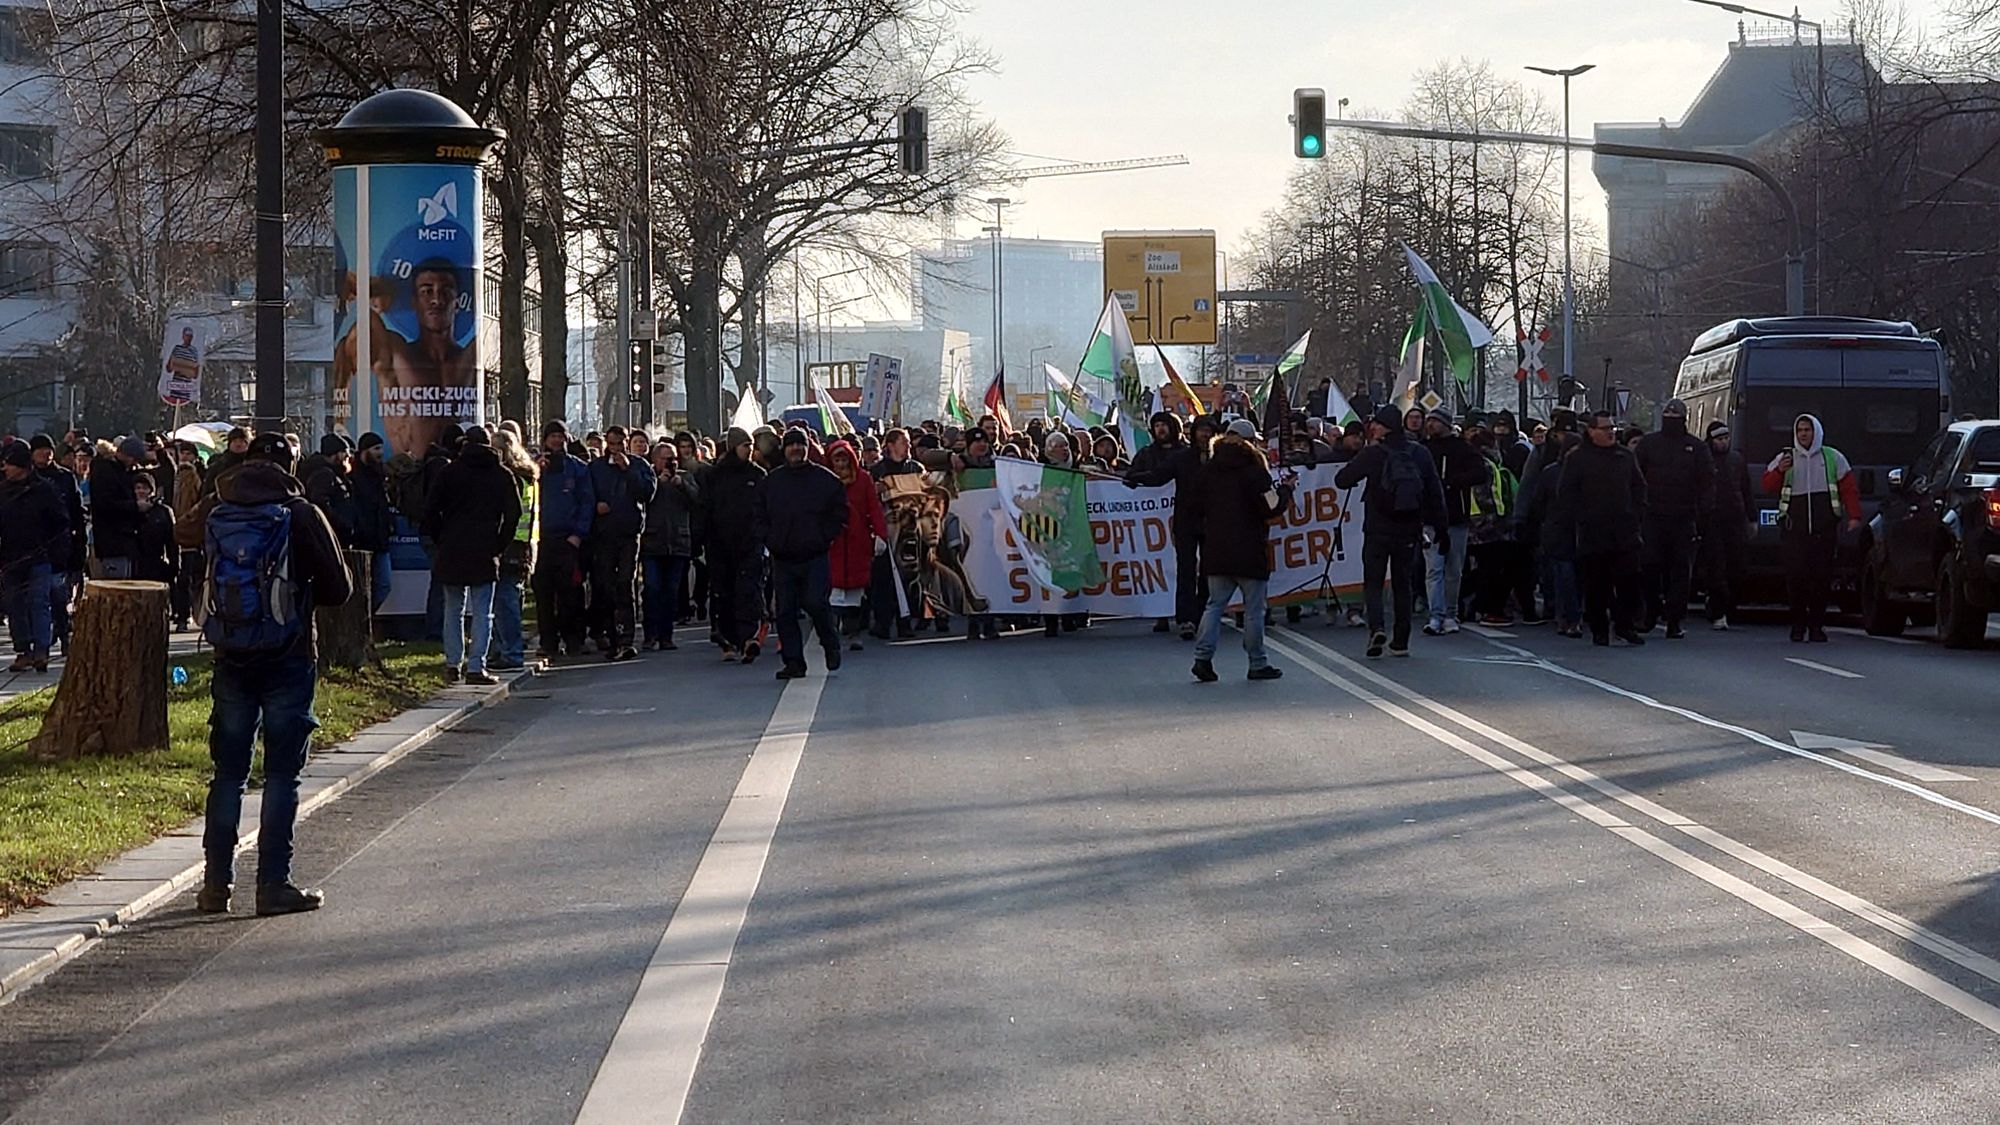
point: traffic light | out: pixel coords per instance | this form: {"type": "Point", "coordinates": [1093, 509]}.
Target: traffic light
{"type": "Point", "coordinates": [914, 142]}
{"type": "Point", "coordinates": [637, 367]}
{"type": "Point", "coordinates": [1309, 123]}
{"type": "Point", "coordinates": [661, 369]}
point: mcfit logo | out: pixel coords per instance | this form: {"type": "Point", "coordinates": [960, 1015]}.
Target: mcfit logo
{"type": "Point", "coordinates": [441, 207]}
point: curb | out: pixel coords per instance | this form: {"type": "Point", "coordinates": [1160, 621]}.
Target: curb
{"type": "Point", "coordinates": [79, 914]}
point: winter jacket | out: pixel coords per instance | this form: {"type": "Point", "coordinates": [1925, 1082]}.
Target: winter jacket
{"type": "Point", "coordinates": [1173, 462]}
{"type": "Point", "coordinates": [670, 518]}
{"type": "Point", "coordinates": [374, 518]}
{"type": "Point", "coordinates": [1379, 516]}
{"type": "Point", "coordinates": [328, 489]}
{"type": "Point", "coordinates": [317, 564]}
{"type": "Point", "coordinates": [158, 560]}
{"type": "Point", "coordinates": [1679, 471]}
{"type": "Point", "coordinates": [1461, 468]}
{"type": "Point", "coordinates": [890, 467]}
{"type": "Point", "coordinates": [852, 557]}
{"type": "Point", "coordinates": [114, 508]}
{"type": "Point", "coordinates": [800, 511]}
{"type": "Point", "coordinates": [626, 492]}
{"type": "Point", "coordinates": [729, 505]}
{"type": "Point", "coordinates": [1600, 499]}
{"type": "Point", "coordinates": [34, 527]}
{"type": "Point", "coordinates": [64, 482]}
{"type": "Point", "coordinates": [1811, 492]}
{"type": "Point", "coordinates": [1542, 518]}
{"type": "Point", "coordinates": [189, 487]}
{"type": "Point", "coordinates": [1230, 507]}
{"type": "Point", "coordinates": [1734, 501]}
{"type": "Point", "coordinates": [471, 511]}
{"type": "Point", "coordinates": [568, 504]}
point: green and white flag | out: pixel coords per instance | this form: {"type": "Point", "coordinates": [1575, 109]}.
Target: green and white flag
{"type": "Point", "coordinates": [1114, 363]}
{"type": "Point", "coordinates": [1338, 411]}
{"type": "Point", "coordinates": [1069, 403]}
{"type": "Point", "coordinates": [1293, 359]}
{"type": "Point", "coordinates": [955, 408]}
{"type": "Point", "coordinates": [832, 419]}
{"type": "Point", "coordinates": [1048, 512]}
{"type": "Point", "coordinates": [1461, 333]}
{"type": "Point", "coordinates": [1412, 369]}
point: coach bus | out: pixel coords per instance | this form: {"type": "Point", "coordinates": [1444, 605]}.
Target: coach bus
{"type": "Point", "coordinates": [1877, 385]}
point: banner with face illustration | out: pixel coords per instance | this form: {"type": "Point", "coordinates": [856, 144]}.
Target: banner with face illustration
{"type": "Point", "coordinates": [406, 329]}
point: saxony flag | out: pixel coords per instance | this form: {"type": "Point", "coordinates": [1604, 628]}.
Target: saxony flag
{"type": "Point", "coordinates": [1461, 333]}
{"type": "Point", "coordinates": [1048, 514]}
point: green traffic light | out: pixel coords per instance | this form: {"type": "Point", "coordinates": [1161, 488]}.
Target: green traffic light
{"type": "Point", "coordinates": [1310, 144]}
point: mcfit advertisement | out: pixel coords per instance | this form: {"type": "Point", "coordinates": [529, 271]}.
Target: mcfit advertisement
{"type": "Point", "coordinates": [406, 351]}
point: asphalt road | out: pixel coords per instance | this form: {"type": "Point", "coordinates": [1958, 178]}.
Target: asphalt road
{"type": "Point", "coordinates": [1513, 878]}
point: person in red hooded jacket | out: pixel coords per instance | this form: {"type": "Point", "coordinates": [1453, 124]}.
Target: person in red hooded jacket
{"type": "Point", "coordinates": [851, 559]}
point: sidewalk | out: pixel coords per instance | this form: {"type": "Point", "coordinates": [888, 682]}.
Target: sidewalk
{"type": "Point", "coordinates": [36, 941]}
{"type": "Point", "coordinates": [15, 684]}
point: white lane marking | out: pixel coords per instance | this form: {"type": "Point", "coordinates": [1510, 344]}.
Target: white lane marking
{"type": "Point", "coordinates": [1827, 668]}
{"type": "Point", "coordinates": [1854, 904]}
{"type": "Point", "coordinates": [648, 1069]}
{"type": "Point", "coordinates": [1878, 753]}
{"type": "Point", "coordinates": [1851, 631]}
{"type": "Point", "coordinates": [1758, 737]}
{"type": "Point", "coordinates": [1866, 952]}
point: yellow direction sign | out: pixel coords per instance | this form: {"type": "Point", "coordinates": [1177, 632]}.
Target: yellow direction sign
{"type": "Point", "coordinates": [1165, 282]}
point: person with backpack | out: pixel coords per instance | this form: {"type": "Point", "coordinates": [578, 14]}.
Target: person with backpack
{"type": "Point", "coordinates": [568, 507]}
{"type": "Point", "coordinates": [34, 532]}
{"type": "Point", "coordinates": [272, 558]}
{"type": "Point", "coordinates": [1231, 506]}
{"type": "Point", "coordinates": [473, 509]}
{"type": "Point", "coordinates": [1816, 494]}
{"type": "Point", "coordinates": [1405, 496]}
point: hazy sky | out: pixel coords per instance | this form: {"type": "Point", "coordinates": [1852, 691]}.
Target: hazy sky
{"type": "Point", "coordinates": [1212, 80]}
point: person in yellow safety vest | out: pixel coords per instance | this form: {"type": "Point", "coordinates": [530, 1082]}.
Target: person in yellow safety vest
{"type": "Point", "coordinates": [1817, 493]}
{"type": "Point", "coordinates": [517, 562]}
{"type": "Point", "coordinates": [1490, 538]}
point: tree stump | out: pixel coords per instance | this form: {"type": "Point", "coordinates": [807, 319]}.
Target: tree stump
{"type": "Point", "coordinates": [113, 694]}
{"type": "Point", "coordinates": [344, 631]}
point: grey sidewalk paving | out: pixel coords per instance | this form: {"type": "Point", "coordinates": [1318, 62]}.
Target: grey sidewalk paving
{"type": "Point", "coordinates": [34, 942]}
{"type": "Point", "coordinates": [16, 684]}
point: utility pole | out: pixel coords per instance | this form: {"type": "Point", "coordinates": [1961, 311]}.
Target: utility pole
{"type": "Point", "coordinates": [270, 160]}
{"type": "Point", "coordinates": [646, 319]}
{"type": "Point", "coordinates": [1569, 286]}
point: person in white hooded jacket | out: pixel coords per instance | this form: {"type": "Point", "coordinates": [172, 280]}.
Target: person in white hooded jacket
{"type": "Point", "coordinates": [1817, 493]}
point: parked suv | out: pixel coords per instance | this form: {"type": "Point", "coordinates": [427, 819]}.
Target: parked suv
{"type": "Point", "coordinates": [1933, 550]}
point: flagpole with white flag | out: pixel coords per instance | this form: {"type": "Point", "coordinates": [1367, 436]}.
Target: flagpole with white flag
{"type": "Point", "coordinates": [1459, 332]}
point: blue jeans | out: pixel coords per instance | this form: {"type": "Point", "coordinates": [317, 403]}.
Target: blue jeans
{"type": "Point", "coordinates": [378, 584]}
{"type": "Point", "coordinates": [1444, 574]}
{"type": "Point", "coordinates": [664, 576]}
{"type": "Point", "coordinates": [25, 591]}
{"type": "Point", "coordinates": [1221, 591]}
{"type": "Point", "coordinates": [460, 601]}
{"type": "Point", "coordinates": [510, 639]}
{"type": "Point", "coordinates": [803, 586]}
{"type": "Point", "coordinates": [1563, 592]}
{"type": "Point", "coordinates": [248, 692]}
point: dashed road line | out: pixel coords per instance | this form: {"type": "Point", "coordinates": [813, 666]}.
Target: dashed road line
{"type": "Point", "coordinates": [1827, 668]}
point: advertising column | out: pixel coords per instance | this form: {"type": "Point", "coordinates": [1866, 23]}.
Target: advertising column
{"type": "Point", "coordinates": [407, 193]}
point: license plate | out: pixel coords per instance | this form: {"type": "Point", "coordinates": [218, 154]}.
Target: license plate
{"type": "Point", "coordinates": [1768, 518]}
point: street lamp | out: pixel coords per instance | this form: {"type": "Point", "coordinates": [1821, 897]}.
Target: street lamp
{"type": "Point", "coordinates": [819, 336]}
{"type": "Point", "coordinates": [1819, 110]}
{"type": "Point", "coordinates": [998, 203]}
{"type": "Point", "coordinates": [1569, 287]}
{"type": "Point", "coordinates": [1340, 110]}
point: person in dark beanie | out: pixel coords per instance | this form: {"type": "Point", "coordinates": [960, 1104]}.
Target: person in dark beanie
{"type": "Point", "coordinates": [568, 508]}
{"type": "Point", "coordinates": [1680, 491]}
{"type": "Point", "coordinates": [1404, 497]}
{"type": "Point", "coordinates": [34, 532]}
{"type": "Point", "coordinates": [1231, 506]}
{"type": "Point", "coordinates": [473, 512]}
{"type": "Point", "coordinates": [156, 560]}
{"type": "Point", "coordinates": [1601, 505]}
{"type": "Point", "coordinates": [114, 507]}
{"type": "Point", "coordinates": [374, 515]}
{"type": "Point", "coordinates": [801, 510]}
{"type": "Point", "coordinates": [66, 566]}
{"type": "Point", "coordinates": [728, 507]}
{"type": "Point", "coordinates": [324, 475]}
{"type": "Point", "coordinates": [1728, 527]}
{"type": "Point", "coordinates": [1170, 460]}
{"type": "Point", "coordinates": [623, 485]}
{"type": "Point", "coordinates": [265, 670]}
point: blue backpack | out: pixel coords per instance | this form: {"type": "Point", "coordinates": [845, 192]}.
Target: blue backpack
{"type": "Point", "coordinates": [252, 602]}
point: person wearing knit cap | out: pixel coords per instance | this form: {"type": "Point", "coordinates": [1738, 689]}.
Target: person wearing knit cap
{"type": "Point", "coordinates": [1404, 497]}
{"type": "Point", "coordinates": [66, 567]}
{"type": "Point", "coordinates": [1726, 531]}
{"type": "Point", "coordinates": [1232, 501]}
{"type": "Point", "coordinates": [624, 486]}
{"type": "Point", "coordinates": [1461, 468]}
{"type": "Point", "coordinates": [1680, 492]}
{"type": "Point", "coordinates": [374, 515]}
{"type": "Point", "coordinates": [325, 477]}
{"type": "Point", "coordinates": [472, 516]}
{"type": "Point", "coordinates": [734, 543]}
{"type": "Point", "coordinates": [568, 509]}
{"type": "Point", "coordinates": [801, 512]}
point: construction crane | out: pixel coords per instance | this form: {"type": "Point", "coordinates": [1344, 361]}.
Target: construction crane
{"type": "Point", "coordinates": [1082, 168]}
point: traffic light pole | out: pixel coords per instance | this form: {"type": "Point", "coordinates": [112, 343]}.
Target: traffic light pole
{"type": "Point", "coordinates": [1795, 258]}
